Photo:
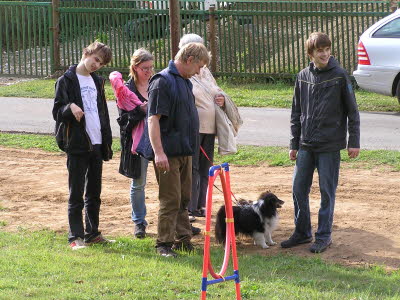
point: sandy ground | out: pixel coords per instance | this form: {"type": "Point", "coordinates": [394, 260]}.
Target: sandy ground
{"type": "Point", "coordinates": [33, 195]}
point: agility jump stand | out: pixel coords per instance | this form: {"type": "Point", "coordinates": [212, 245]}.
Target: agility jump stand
{"type": "Point", "coordinates": [223, 171]}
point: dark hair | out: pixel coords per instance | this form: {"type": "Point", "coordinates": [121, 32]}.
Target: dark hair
{"type": "Point", "coordinates": [317, 40]}
{"type": "Point", "coordinates": [98, 48]}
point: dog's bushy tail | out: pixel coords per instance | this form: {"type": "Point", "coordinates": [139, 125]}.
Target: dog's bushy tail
{"type": "Point", "coordinates": [220, 226]}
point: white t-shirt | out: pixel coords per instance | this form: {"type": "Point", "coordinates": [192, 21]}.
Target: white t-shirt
{"type": "Point", "coordinates": [89, 98]}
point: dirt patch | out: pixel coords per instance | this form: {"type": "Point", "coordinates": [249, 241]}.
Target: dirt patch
{"type": "Point", "coordinates": [33, 195]}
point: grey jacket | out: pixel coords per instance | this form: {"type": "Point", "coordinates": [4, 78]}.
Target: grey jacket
{"type": "Point", "coordinates": [324, 108]}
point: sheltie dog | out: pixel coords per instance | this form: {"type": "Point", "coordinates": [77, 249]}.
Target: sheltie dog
{"type": "Point", "coordinates": [257, 219]}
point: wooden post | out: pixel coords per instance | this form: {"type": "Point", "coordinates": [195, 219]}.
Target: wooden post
{"type": "Point", "coordinates": [393, 5]}
{"type": "Point", "coordinates": [174, 18]}
{"type": "Point", "coordinates": [213, 46]}
{"type": "Point", "coordinates": [56, 31]}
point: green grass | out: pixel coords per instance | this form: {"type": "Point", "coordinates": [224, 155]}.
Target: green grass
{"type": "Point", "coordinates": [40, 265]}
{"type": "Point", "coordinates": [39, 88]}
{"type": "Point", "coordinates": [249, 94]}
{"type": "Point", "coordinates": [246, 155]}
{"type": "Point", "coordinates": [29, 141]}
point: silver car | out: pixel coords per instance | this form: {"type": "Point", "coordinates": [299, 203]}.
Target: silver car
{"type": "Point", "coordinates": [378, 67]}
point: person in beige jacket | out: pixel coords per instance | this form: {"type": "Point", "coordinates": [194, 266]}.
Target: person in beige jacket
{"type": "Point", "coordinates": [219, 117]}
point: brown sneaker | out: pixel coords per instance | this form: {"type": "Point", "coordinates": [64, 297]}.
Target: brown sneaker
{"type": "Point", "coordinates": [99, 240]}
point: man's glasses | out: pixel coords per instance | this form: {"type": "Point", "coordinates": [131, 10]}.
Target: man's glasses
{"type": "Point", "coordinates": [149, 69]}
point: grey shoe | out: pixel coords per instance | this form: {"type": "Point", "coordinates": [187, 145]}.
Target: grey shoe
{"type": "Point", "coordinates": [295, 240]}
{"type": "Point", "coordinates": [140, 231]}
{"type": "Point", "coordinates": [166, 251]}
{"type": "Point", "coordinates": [320, 245]}
{"type": "Point", "coordinates": [183, 246]}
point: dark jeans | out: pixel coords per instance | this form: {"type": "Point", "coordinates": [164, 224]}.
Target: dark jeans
{"type": "Point", "coordinates": [327, 164]}
{"type": "Point", "coordinates": [201, 166]}
{"type": "Point", "coordinates": [85, 171]}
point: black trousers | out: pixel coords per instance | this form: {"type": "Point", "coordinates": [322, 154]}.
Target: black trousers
{"type": "Point", "coordinates": [201, 166]}
{"type": "Point", "coordinates": [85, 172]}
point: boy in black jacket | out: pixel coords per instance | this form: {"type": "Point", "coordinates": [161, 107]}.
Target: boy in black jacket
{"type": "Point", "coordinates": [324, 109]}
{"type": "Point", "coordinates": [83, 131]}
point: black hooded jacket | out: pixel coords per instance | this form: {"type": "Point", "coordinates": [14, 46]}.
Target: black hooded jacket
{"type": "Point", "coordinates": [71, 135]}
{"type": "Point", "coordinates": [129, 165]}
{"type": "Point", "coordinates": [323, 107]}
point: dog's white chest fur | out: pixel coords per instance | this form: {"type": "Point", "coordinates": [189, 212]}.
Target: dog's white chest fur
{"type": "Point", "coordinates": [264, 239]}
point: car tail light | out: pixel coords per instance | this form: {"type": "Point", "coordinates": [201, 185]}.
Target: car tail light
{"type": "Point", "coordinates": [363, 58]}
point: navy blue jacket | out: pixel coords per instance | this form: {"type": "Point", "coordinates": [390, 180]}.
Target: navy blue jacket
{"type": "Point", "coordinates": [171, 96]}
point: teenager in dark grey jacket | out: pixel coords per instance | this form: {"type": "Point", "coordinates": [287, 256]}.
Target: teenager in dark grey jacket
{"type": "Point", "coordinates": [324, 109]}
{"type": "Point", "coordinates": [83, 131]}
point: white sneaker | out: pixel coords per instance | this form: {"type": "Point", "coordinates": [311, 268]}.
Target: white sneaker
{"type": "Point", "coordinates": [77, 244]}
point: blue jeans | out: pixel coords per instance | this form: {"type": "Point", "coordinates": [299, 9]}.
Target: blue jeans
{"type": "Point", "coordinates": [327, 164]}
{"type": "Point", "coordinates": [138, 194]}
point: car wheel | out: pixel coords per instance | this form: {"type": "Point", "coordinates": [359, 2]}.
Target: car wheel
{"type": "Point", "coordinates": [398, 91]}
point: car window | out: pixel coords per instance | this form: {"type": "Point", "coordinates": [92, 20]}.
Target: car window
{"type": "Point", "coordinates": [389, 30]}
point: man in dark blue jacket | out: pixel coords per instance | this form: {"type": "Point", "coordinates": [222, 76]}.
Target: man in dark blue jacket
{"type": "Point", "coordinates": [324, 109]}
{"type": "Point", "coordinates": [173, 126]}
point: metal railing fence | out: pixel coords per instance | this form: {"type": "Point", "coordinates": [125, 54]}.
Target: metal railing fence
{"type": "Point", "coordinates": [25, 39]}
{"type": "Point", "coordinates": [253, 38]}
{"type": "Point", "coordinates": [125, 28]}
{"type": "Point", "coordinates": [268, 38]}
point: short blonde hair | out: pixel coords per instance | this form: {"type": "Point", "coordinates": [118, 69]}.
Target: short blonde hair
{"type": "Point", "coordinates": [98, 48]}
{"type": "Point", "coordinates": [197, 50]}
{"type": "Point", "coordinates": [139, 56]}
{"type": "Point", "coordinates": [317, 40]}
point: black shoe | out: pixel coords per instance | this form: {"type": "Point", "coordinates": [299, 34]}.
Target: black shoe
{"type": "Point", "coordinates": [195, 230]}
{"type": "Point", "coordinates": [140, 231]}
{"type": "Point", "coordinates": [166, 251]}
{"type": "Point", "coordinates": [295, 240]}
{"type": "Point", "coordinates": [201, 213]}
{"type": "Point", "coordinates": [183, 246]}
{"type": "Point", "coordinates": [320, 245]}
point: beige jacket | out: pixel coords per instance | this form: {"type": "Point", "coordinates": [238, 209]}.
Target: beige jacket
{"type": "Point", "coordinates": [224, 122]}
{"type": "Point", "coordinates": [205, 89]}
{"type": "Point", "coordinates": [228, 121]}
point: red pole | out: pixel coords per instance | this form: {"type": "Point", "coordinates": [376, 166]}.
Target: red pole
{"type": "Point", "coordinates": [207, 232]}
{"type": "Point", "coordinates": [228, 200]}
{"type": "Point", "coordinates": [230, 234]}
